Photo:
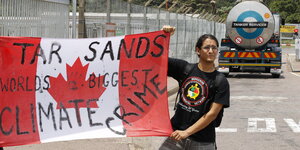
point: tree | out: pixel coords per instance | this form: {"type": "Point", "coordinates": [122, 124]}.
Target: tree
{"type": "Point", "coordinates": [288, 9]}
{"type": "Point", "coordinates": [223, 7]}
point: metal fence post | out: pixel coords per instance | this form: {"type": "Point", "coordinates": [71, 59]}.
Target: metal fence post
{"type": "Point", "coordinates": [168, 17]}
{"type": "Point", "coordinates": [145, 20]}
{"type": "Point", "coordinates": [74, 19]}
{"type": "Point", "coordinates": [214, 28]}
{"type": "Point", "coordinates": [176, 45]}
{"type": "Point", "coordinates": [184, 35]}
{"type": "Point", "coordinates": [203, 25]}
{"type": "Point", "coordinates": [158, 19]}
{"type": "Point", "coordinates": [108, 11]}
{"type": "Point", "coordinates": [128, 25]}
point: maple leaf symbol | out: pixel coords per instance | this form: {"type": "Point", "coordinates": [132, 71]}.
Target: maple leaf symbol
{"type": "Point", "coordinates": [75, 88]}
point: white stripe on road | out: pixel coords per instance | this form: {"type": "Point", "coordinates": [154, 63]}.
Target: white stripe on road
{"type": "Point", "coordinates": [270, 125]}
{"type": "Point", "coordinates": [226, 130]}
{"type": "Point", "coordinates": [294, 126]}
{"type": "Point", "coordinates": [267, 125]}
{"type": "Point", "coordinates": [263, 98]}
{"type": "Point", "coordinates": [298, 75]}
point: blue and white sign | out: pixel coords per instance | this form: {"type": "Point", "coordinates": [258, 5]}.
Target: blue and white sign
{"type": "Point", "coordinates": [242, 18]}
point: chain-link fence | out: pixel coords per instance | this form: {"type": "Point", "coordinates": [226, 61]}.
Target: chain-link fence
{"type": "Point", "coordinates": [51, 18]}
{"type": "Point", "coordinates": [131, 19]}
{"type": "Point", "coordinates": [34, 18]}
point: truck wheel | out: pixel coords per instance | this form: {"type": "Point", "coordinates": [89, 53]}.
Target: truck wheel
{"type": "Point", "coordinates": [275, 75]}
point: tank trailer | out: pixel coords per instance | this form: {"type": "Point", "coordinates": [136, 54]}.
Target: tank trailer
{"type": "Point", "coordinates": [252, 42]}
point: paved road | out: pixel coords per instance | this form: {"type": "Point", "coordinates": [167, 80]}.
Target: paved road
{"type": "Point", "coordinates": [264, 113]}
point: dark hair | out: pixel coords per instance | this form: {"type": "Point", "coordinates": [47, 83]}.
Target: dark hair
{"type": "Point", "coordinates": [204, 37]}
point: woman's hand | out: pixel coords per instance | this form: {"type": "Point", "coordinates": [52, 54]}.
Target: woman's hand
{"type": "Point", "coordinates": [169, 29]}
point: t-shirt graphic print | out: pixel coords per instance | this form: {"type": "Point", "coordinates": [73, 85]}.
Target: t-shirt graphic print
{"type": "Point", "coordinates": [194, 91]}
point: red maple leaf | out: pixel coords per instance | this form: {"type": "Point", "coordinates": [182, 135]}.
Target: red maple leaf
{"type": "Point", "coordinates": [75, 88]}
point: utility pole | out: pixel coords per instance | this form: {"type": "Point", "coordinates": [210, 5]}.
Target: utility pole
{"type": "Point", "coordinates": [81, 20]}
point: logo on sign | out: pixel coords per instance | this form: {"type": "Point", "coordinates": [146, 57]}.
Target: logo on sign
{"type": "Point", "coordinates": [242, 18]}
{"type": "Point", "coordinates": [238, 40]}
{"type": "Point", "coordinates": [267, 15]}
{"type": "Point", "coordinates": [259, 40]}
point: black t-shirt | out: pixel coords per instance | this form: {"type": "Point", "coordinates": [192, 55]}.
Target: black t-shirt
{"type": "Point", "coordinates": [196, 89]}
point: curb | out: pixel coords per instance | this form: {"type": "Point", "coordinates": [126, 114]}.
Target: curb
{"type": "Point", "coordinates": [290, 61]}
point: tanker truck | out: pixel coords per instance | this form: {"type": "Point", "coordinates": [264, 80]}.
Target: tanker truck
{"type": "Point", "coordinates": [252, 42]}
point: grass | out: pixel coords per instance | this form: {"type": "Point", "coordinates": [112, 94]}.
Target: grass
{"type": "Point", "coordinates": [287, 46]}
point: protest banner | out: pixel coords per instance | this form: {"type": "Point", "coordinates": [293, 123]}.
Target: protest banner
{"type": "Point", "coordinates": [68, 89]}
